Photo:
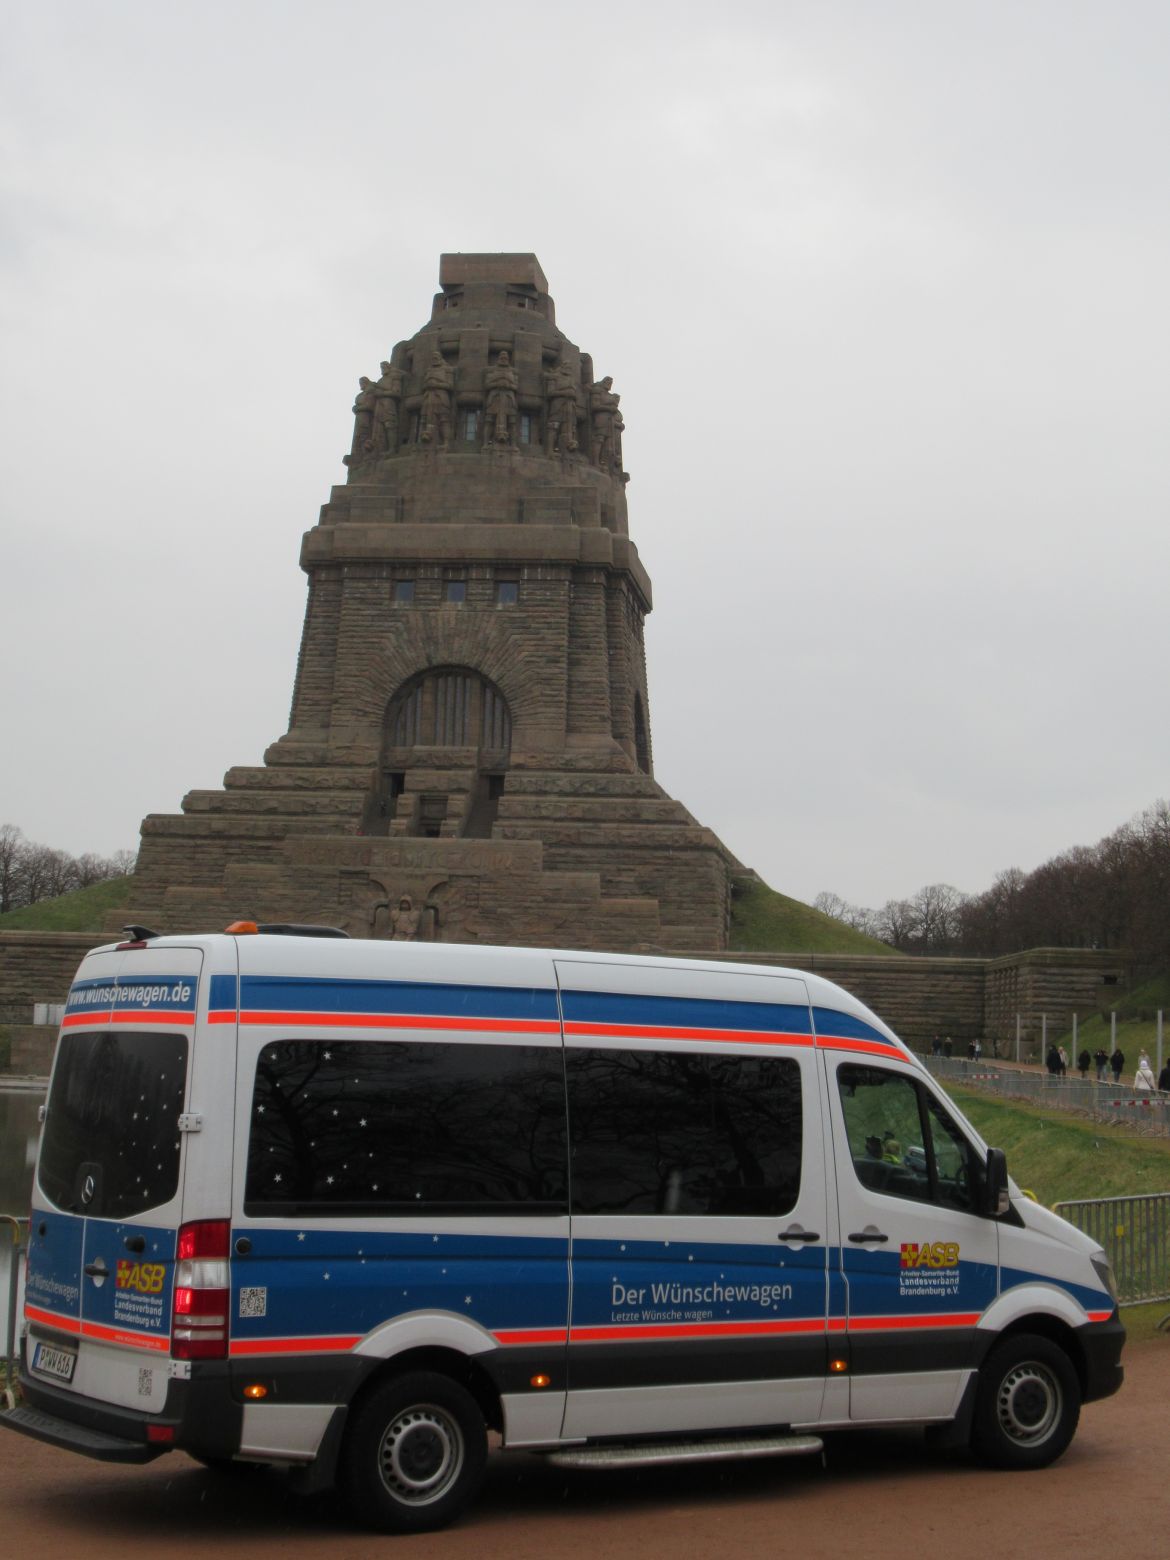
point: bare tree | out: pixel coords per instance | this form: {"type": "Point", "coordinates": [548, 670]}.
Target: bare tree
{"type": "Point", "coordinates": [10, 849]}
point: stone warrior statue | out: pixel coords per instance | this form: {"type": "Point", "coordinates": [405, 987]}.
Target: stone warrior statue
{"type": "Point", "coordinates": [564, 405]}
{"type": "Point", "coordinates": [387, 394]}
{"type": "Point", "coordinates": [438, 383]}
{"type": "Point", "coordinates": [606, 423]}
{"type": "Point", "coordinates": [500, 421]}
{"type": "Point", "coordinates": [363, 411]}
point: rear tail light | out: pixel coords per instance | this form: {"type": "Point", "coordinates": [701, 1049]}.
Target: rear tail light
{"type": "Point", "coordinates": [199, 1329]}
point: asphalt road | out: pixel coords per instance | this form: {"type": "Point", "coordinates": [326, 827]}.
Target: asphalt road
{"type": "Point", "coordinates": [876, 1495]}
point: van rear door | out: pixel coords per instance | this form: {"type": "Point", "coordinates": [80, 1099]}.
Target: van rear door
{"type": "Point", "coordinates": [107, 1202]}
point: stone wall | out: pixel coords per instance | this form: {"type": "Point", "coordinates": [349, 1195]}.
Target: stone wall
{"type": "Point", "coordinates": [918, 998]}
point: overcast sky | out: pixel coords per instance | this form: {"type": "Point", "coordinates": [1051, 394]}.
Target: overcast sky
{"type": "Point", "coordinates": [884, 289]}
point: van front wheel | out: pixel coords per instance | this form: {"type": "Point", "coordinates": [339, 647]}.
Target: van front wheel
{"type": "Point", "coordinates": [1028, 1403]}
{"type": "Point", "coordinates": [414, 1454]}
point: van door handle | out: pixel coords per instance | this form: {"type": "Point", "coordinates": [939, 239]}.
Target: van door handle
{"type": "Point", "coordinates": [796, 1233]}
{"type": "Point", "coordinates": [868, 1234]}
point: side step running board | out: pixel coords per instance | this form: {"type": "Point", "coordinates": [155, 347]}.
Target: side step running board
{"type": "Point", "coordinates": [652, 1454]}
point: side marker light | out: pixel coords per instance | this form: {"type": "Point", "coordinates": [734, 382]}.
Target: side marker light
{"type": "Point", "coordinates": [255, 1390]}
{"type": "Point", "coordinates": [539, 1381]}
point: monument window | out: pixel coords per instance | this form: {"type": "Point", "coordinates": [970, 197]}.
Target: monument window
{"type": "Point", "coordinates": [452, 707]}
{"type": "Point", "coordinates": [403, 593]}
{"type": "Point", "coordinates": [455, 592]}
{"type": "Point", "coordinates": [507, 593]}
{"type": "Point", "coordinates": [526, 427]}
{"type": "Point", "coordinates": [471, 426]}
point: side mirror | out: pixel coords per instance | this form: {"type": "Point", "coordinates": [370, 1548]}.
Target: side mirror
{"type": "Point", "coordinates": [996, 1197]}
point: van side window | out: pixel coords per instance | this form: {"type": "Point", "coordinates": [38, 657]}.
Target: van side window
{"type": "Point", "coordinates": [394, 1127]}
{"type": "Point", "coordinates": [902, 1141]}
{"type": "Point", "coordinates": [655, 1132]}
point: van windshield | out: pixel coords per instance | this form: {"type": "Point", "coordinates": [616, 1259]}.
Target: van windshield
{"type": "Point", "coordinates": [110, 1147]}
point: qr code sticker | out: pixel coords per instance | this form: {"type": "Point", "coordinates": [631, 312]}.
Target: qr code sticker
{"type": "Point", "coordinates": [145, 1383]}
{"type": "Point", "coordinates": [254, 1302]}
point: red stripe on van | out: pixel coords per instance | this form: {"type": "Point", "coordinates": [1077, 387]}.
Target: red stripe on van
{"type": "Point", "coordinates": [666, 1032]}
{"type": "Point", "coordinates": [227, 1016]}
{"type": "Point", "coordinates": [532, 1335]}
{"type": "Point", "coordinates": [67, 1324]}
{"type": "Point", "coordinates": [98, 1016]}
{"type": "Point", "coordinates": [883, 1323]}
{"type": "Point", "coordinates": [866, 1047]}
{"type": "Point", "coordinates": [332, 1345]}
{"type": "Point", "coordinates": [499, 1026]}
{"type": "Point", "coordinates": [149, 1016]}
{"type": "Point", "coordinates": [129, 1340]}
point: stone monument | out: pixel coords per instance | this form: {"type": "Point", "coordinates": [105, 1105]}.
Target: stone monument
{"type": "Point", "coordinates": [469, 755]}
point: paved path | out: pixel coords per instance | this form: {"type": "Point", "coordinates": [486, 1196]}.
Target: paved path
{"type": "Point", "coordinates": [878, 1497]}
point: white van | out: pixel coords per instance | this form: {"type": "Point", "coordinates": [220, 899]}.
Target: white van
{"type": "Point", "coordinates": [348, 1206]}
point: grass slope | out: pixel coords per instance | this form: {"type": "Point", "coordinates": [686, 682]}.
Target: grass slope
{"type": "Point", "coordinates": [1137, 1024]}
{"type": "Point", "coordinates": [1061, 1158]}
{"type": "Point", "coordinates": [84, 910]}
{"type": "Point", "coordinates": [763, 921]}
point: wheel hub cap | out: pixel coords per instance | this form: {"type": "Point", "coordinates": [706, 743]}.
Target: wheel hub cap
{"type": "Point", "coordinates": [420, 1455]}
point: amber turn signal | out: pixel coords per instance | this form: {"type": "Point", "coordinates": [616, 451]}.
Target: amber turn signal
{"type": "Point", "coordinates": [539, 1381]}
{"type": "Point", "coordinates": [255, 1390]}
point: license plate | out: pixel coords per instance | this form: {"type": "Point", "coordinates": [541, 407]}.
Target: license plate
{"type": "Point", "coordinates": [51, 1361]}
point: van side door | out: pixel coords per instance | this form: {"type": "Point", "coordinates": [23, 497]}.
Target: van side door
{"type": "Point", "coordinates": [698, 1202]}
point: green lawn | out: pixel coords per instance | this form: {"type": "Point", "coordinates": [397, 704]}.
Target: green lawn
{"type": "Point", "coordinates": [763, 921]}
{"type": "Point", "coordinates": [1060, 1158]}
{"type": "Point", "coordinates": [85, 910]}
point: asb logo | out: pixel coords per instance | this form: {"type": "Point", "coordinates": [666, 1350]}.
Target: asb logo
{"type": "Point", "coordinates": [146, 1277]}
{"type": "Point", "coordinates": [932, 1254]}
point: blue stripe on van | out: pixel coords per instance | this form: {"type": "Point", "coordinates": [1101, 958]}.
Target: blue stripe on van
{"type": "Point", "coordinates": [609, 1007]}
{"type": "Point", "coordinates": [829, 1021]}
{"type": "Point", "coordinates": [294, 994]}
{"type": "Point", "coordinates": [224, 993]}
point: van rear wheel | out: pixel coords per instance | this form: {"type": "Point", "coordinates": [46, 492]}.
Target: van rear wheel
{"type": "Point", "coordinates": [1028, 1403]}
{"type": "Point", "coordinates": [414, 1454]}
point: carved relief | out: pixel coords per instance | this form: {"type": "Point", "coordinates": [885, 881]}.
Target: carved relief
{"type": "Point", "coordinates": [500, 408]}
{"type": "Point", "coordinates": [386, 395]}
{"type": "Point", "coordinates": [438, 385]}
{"type": "Point", "coordinates": [606, 425]}
{"type": "Point", "coordinates": [363, 412]}
{"type": "Point", "coordinates": [564, 408]}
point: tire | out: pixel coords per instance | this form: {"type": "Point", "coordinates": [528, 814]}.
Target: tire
{"type": "Point", "coordinates": [414, 1454]}
{"type": "Point", "coordinates": [1027, 1404]}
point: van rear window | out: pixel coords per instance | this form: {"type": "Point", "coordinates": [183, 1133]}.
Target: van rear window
{"type": "Point", "coordinates": [110, 1147]}
{"type": "Point", "coordinates": [395, 1127]}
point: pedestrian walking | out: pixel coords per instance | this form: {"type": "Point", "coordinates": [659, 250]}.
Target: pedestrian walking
{"type": "Point", "coordinates": [1052, 1061]}
{"type": "Point", "coordinates": [1116, 1063]}
{"type": "Point", "coordinates": [1063, 1054]}
{"type": "Point", "coordinates": [1083, 1061]}
{"type": "Point", "coordinates": [1101, 1058]}
{"type": "Point", "coordinates": [1143, 1079]}
{"type": "Point", "coordinates": [1164, 1080]}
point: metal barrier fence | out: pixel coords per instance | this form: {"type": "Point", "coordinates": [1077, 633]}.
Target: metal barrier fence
{"type": "Point", "coordinates": [1135, 1232]}
{"type": "Point", "coordinates": [1111, 1102]}
{"type": "Point", "coordinates": [16, 1253]}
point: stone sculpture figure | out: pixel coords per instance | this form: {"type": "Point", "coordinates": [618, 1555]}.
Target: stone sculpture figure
{"type": "Point", "coordinates": [363, 411]}
{"type": "Point", "coordinates": [564, 405]}
{"type": "Point", "coordinates": [404, 920]}
{"type": "Point", "coordinates": [500, 408]}
{"type": "Point", "coordinates": [607, 423]}
{"type": "Point", "coordinates": [438, 384]}
{"type": "Point", "coordinates": [386, 393]}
